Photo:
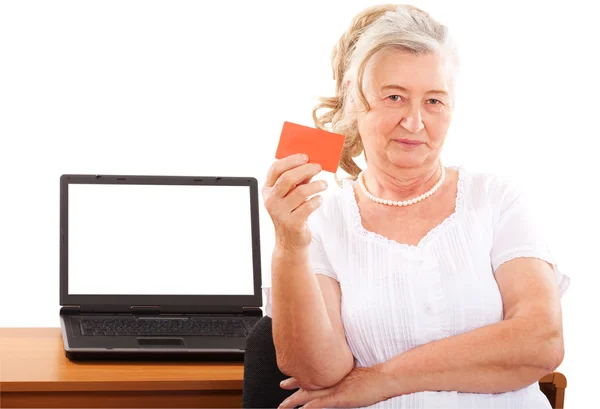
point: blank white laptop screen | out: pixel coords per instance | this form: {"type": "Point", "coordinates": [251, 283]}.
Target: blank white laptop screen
{"type": "Point", "coordinates": [160, 240]}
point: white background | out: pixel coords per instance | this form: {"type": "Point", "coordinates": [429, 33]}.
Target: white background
{"type": "Point", "coordinates": [203, 88]}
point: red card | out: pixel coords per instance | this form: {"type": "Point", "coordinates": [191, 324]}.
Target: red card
{"type": "Point", "coordinates": [322, 147]}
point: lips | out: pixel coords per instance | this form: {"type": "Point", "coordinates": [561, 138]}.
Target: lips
{"type": "Point", "coordinates": [408, 142]}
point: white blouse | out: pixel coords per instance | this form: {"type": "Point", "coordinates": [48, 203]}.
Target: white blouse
{"type": "Point", "coordinates": [396, 297]}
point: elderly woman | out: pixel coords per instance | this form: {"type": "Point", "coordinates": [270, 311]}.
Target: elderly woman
{"type": "Point", "coordinates": [415, 285]}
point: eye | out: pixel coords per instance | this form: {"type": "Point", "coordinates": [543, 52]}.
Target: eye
{"type": "Point", "coordinates": [395, 98]}
{"type": "Point", "coordinates": [437, 101]}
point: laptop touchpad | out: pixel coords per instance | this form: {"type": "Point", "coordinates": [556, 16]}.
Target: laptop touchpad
{"type": "Point", "coordinates": [160, 342]}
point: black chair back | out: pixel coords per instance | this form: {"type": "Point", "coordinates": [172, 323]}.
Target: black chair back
{"type": "Point", "coordinates": [261, 373]}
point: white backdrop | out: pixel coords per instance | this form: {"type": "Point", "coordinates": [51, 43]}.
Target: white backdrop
{"type": "Point", "coordinates": [202, 88]}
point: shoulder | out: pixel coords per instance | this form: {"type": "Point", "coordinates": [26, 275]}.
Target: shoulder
{"type": "Point", "coordinates": [497, 187]}
{"type": "Point", "coordinates": [488, 183]}
{"type": "Point", "coordinates": [495, 191]}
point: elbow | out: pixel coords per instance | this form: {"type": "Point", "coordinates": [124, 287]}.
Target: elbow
{"type": "Point", "coordinates": [326, 379]}
{"type": "Point", "coordinates": [550, 355]}
{"type": "Point", "coordinates": [555, 352]}
{"type": "Point", "coordinates": [545, 348]}
{"type": "Point", "coordinates": [311, 377]}
{"type": "Point", "coordinates": [285, 366]}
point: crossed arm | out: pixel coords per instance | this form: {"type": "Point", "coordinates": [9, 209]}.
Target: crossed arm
{"type": "Point", "coordinates": [501, 357]}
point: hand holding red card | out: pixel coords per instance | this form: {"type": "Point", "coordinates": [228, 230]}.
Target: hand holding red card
{"type": "Point", "coordinates": [322, 147]}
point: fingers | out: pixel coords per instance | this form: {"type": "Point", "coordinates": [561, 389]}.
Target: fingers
{"type": "Point", "coordinates": [290, 383]}
{"type": "Point", "coordinates": [305, 181]}
{"type": "Point", "coordinates": [282, 165]}
{"type": "Point", "coordinates": [297, 398]}
{"type": "Point", "coordinates": [317, 403]}
{"type": "Point", "coordinates": [294, 177]}
{"type": "Point", "coordinates": [301, 192]}
{"type": "Point", "coordinates": [285, 195]}
{"type": "Point", "coordinates": [301, 213]}
{"type": "Point", "coordinates": [313, 399]}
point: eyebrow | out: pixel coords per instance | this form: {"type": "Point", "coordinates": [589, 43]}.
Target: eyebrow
{"type": "Point", "coordinates": [400, 88]}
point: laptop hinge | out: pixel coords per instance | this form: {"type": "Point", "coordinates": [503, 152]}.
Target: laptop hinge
{"type": "Point", "coordinates": [145, 309]}
{"type": "Point", "coordinates": [70, 309]}
{"type": "Point", "coordinates": [252, 311]}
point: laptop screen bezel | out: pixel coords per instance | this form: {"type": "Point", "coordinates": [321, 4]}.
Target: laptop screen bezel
{"type": "Point", "coordinates": [170, 302]}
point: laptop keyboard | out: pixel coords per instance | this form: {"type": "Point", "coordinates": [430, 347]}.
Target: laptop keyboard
{"type": "Point", "coordinates": [238, 327]}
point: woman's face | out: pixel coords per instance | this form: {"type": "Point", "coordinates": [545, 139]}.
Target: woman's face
{"type": "Point", "coordinates": [411, 108]}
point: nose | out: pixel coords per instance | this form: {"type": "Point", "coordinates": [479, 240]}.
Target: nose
{"type": "Point", "coordinates": [412, 120]}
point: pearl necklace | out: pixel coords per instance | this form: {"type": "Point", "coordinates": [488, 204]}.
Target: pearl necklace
{"type": "Point", "coordinates": [361, 183]}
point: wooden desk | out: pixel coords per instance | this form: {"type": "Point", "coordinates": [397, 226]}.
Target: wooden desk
{"type": "Point", "coordinates": [34, 372]}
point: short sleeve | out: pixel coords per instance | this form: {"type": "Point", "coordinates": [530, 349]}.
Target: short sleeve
{"type": "Point", "coordinates": [518, 234]}
{"type": "Point", "coordinates": [268, 307]}
{"type": "Point", "coordinates": [317, 255]}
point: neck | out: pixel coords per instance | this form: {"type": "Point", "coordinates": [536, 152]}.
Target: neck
{"type": "Point", "coordinates": [401, 184]}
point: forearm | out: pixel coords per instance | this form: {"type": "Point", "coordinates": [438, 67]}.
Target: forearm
{"type": "Point", "coordinates": [497, 358]}
{"type": "Point", "coordinates": [302, 332]}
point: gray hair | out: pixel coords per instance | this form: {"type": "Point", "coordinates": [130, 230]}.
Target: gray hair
{"type": "Point", "coordinates": [387, 26]}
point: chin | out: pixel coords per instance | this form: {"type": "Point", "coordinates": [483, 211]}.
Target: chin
{"type": "Point", "coordinates": [406, 161]}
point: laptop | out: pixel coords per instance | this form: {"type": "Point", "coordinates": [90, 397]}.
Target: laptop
{"type": "Point", "coordinates": [158, 267]}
